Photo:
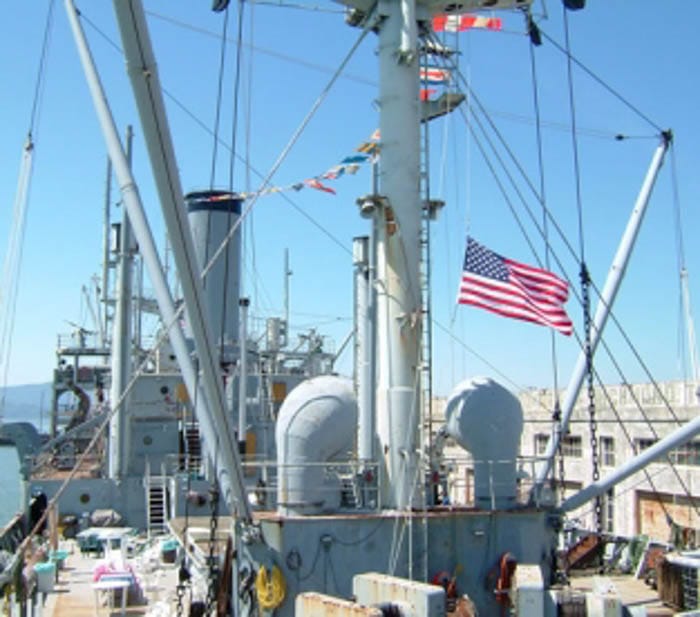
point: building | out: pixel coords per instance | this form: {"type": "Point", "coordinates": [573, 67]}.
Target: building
{"type": "Point", "coordinates": [628, 420]}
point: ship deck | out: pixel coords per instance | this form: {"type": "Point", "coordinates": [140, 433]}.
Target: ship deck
{"type": "Point", "coordinates": [632, 591]}
{"type": "Point", "coordinates": [74, 594]}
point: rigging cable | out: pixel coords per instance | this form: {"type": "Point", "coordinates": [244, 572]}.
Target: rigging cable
{"type": "Point", "coordinates": [473, 97]}
{"type": "Point", "coordinates": [219, 91]}
{"type": "Point", "coordinates": [249, 242]}
{"type": "Point", "coordinates": [683, 272]}
{"type": "Point", "coordinates": [536, 224]}
{"type": "Point", "coordinates": [557, 427]}
{"type": "Point", "coordinates": [268, 52]}
{"type": "Point", "coordinates": [585, 284]}
{"type": "Point", "coordinates": [648, 422]}
{"type": "Point", "coordinates": [541, 231]}
{"type": "Point", "coordinates": [229, 214]}
{"type": "Point", "coordinates": [12, 264]}
{"type": "Point", "coordinates": [602, 83]}
{"type": "Point", "coordinates": [214, 489]}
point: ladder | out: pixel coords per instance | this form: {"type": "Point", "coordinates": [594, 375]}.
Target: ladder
{"type": "Point", "coordinates": [193, 448]}
{"type": "Point", "coordinates": [155, 505]}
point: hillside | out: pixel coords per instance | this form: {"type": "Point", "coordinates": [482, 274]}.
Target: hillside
{"type": "Point", "coordinates": [29, 403]}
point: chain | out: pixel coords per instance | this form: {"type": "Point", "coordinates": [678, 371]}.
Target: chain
{"type": "Point", "coordinates": [556, 419]}
{"type": "Point", "coordinates": [585, 288]}
{"type": "Point", "coordinates": [183, 583]}
{"type": "Point", "coordinates": [213, 569]}
{"type": "Point", "coordinates": [558, 571]}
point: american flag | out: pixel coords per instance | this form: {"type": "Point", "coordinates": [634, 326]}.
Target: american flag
{"type": "Point", "coordinates": [512, 289]}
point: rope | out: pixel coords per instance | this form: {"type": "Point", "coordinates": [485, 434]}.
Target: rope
{"type": "Point", "coordinates": [598, 80]}
{"type": "Point", "coordinates": [557, 428]}
{"type": "Point", "coordinates": [342, 245]}
{"type": "Point", "coordinates": [264, 51]}
{"type": "Point", "coordinates": [219, 94]}
{"type": "Point", "coordinates": [13, 263]}
{"type": "Point", "coordinates": [13, 258]}
{"type": "Point", "coordinates": [232, 161]}
{"type": "Point", "coordinates": [41, 69]}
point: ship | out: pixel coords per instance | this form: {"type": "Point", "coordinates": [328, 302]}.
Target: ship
{"type": "Point", "coordinates": [274, 483]}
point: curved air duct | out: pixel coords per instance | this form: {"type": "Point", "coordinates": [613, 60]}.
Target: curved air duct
{"type": "Point", "coordinates": [316, 424]}
{"type": "Point", "coordinates": [487, 419]}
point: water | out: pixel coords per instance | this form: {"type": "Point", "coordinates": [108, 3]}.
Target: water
{"type": "Point", "coordinates": [10, 492]}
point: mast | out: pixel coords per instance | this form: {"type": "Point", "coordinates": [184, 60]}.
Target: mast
{"type": "Point", "coordinates": [362, 356]}
{"type": "Point", "coordinates": [121, 341]}
{"type": "Point", "coordinates": [398, 252]}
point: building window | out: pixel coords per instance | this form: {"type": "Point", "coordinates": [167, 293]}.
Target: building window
{"type": "Point", "coordinates": [643, 443]}
{"type": "Point", "coordinates": [541, 441]}
{"type": "Point", "coordinates": [687, 454]}
{"type": "Point", "coordinates": [609, 511]}
{"type": "Point", "coordinates": [607, 451]}
{"type": "Point", "coordinates": [571, 446]}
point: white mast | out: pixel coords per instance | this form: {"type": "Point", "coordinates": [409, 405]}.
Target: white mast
{"type": "Point", "coordinates": [121, 341]}
{"type": "Point", "coordinates": [398, 251]}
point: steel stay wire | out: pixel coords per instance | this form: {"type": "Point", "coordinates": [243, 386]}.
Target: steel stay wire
{"type": "Point", "coordinates": [40, 77]}
{"type": "Point", "coordinates": [532, 217]}
{"type": "Point", "coordinates": [191, 266]}
{"type": "Point", "coordinates": [585, 281]}
{"type": "Point", "coordinates": [556, 412]}
{"type": "Point", "coordinates": [543, 232]}
{"type": "Point", "coordinates": [540, 229]}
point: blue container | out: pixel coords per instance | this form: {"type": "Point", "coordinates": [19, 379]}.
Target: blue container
{"type": "Point", "coordinates": [45, 576]}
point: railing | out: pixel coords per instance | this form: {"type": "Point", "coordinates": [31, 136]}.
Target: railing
{"type": "Point", "coordinates": [183, 463]}
{"type": "Point", "coordinates": [458, 475]}
{"type": "Point", "coordinates": [348, 485]}
{"type": "Point", "coordinates": [353, 485]}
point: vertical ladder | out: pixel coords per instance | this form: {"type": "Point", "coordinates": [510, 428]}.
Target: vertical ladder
{"type": "Point", "coordinates": [193, 448]}
{"type": "Point", "coordinates": [155, 505]}
{"type": "Point", "coordinates": [419, 528]}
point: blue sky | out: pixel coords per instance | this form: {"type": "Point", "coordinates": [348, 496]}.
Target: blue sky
{"type": "Point", "coordinates": [645, 51]}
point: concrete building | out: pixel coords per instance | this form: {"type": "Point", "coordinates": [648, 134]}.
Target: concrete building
{"type": "Point", "coordinates": [629, 419]}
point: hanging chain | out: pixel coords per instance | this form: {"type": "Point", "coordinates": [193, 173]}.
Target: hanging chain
{"type": "Point", "coordinates": [213, 566]}
{"type": "Point", "coordinates": [182, 585]}
{"type": "Point", "coordinates": [585, 288]}
{"type": "Point", "coordinates": [556, 419]}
